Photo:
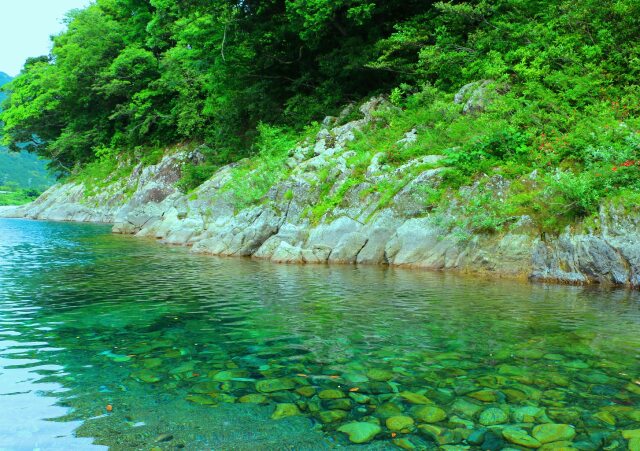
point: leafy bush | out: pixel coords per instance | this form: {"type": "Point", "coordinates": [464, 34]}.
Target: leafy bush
{"type": "Point", "coordinates": [573, 195]}
{"type": "Point", "coordinates": [195, 175]}
{"type": "Point", "coordinates": [481, 154]}
{"type": "Point", "coordinates": [252, 178]}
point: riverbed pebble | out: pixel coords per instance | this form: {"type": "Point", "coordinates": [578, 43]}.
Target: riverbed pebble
{"type": "Point", "coordinates": [360, 432]}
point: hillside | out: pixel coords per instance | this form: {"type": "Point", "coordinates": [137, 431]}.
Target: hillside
{"type": "Point", "coordinates": [335, 197]}
{"type": "Point", "coordinates": [23, 170]}
{"type": "Point", "coordinates": [22, 175]}
{"type": "Point", "coordinates": [557, 88]}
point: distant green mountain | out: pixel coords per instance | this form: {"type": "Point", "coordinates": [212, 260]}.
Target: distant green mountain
{"type": "Point", "coordinates": [4, 79]}
{"type": "Point", "coordinates": [21, 170]}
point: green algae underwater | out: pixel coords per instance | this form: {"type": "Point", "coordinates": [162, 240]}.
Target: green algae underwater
{"type": "Point", "coordinates": [194, 352]}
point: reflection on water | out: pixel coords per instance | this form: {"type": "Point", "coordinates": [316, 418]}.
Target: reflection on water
{"type": "Point", "coordinates": [199, 353]}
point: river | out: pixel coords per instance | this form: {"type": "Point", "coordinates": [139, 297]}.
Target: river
{"type": "Point", "coordinates": [113, 341]}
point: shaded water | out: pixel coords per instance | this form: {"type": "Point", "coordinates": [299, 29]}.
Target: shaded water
{"type": "Point", "coordinates": [178, 343]}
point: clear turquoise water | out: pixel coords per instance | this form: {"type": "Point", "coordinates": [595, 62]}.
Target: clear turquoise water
{"type": "Point", "coordinates": [174, 341]}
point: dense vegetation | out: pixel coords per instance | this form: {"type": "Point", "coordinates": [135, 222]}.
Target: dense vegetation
{"type": "Point", "coordinates": [133, 76]}
{"type": "Point", "coordinates": [23, 176]}
{"type": "Point", "coordinates": [145, 73]}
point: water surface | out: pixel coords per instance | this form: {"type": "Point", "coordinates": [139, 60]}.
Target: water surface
{"type": "Point", "coordinates": [195, 352]}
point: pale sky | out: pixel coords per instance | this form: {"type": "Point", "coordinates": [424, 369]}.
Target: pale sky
{"type": "Point", "coordinates": [25, 27]}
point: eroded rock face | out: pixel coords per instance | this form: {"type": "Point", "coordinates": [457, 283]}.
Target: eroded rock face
{"type": "Point", "coordinates": [611, 256]}
{"type": "Point", "coordinates": [360, 229]}
{"type": "Point", "coordinates": [131, 203]}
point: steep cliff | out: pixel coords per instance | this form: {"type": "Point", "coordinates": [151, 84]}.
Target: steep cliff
{"type": "Point", "coordinates": [321, 211]}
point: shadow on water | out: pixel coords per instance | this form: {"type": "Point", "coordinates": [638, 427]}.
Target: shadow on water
{"type": "Point", "coordinates": [195, 352]}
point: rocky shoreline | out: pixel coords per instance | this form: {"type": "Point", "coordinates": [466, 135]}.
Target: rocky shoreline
{"type": "Point", "coordinates": [359, 229]}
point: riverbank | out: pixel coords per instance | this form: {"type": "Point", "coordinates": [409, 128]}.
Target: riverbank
{"type": "Point", "coordinates": [329, 204]}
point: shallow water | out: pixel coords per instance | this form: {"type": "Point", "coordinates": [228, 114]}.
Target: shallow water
{"type": "Point", "coordinates": [174, 341]}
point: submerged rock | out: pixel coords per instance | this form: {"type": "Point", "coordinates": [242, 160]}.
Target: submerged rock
{"type": "Point", "coordinates": [404, 443]}
{"type": "Point", "coordinates": [437, 434]}
{"type": "Point", "coordinates": [566, 446]}
{"type": "Point", "coordinates": [360, 432]}
{"type": "Point", "coordinates": [205, 387]}
{"type": "Point", "coordinates": [630, 434]}
{"type": "Point", "coordinates": [564, 415]}
{"type": "Point", "coordinates": [184, 367]}
{"type": "Point", "coordinates": [520, 437]}
{"type": "Point", "coordinates": [492, 416]}
{"type": "Point", "coordinates": [461, 422]}
{"type": "Point", "coordinates": [152, 363]}
{"type": "Point", "coordinates": [485, 395]}
{"type": "Point", "coordinates": [528, 414]}
{"type": "Point", "coordinates": [547, 433]}
{"type": "Point", "coordinates": [429, 414]}
{"type": "Point", "coordinates": [147, 376]}
{"type": "Point", "coordinates": [477, 436]}
{"type": "Point", "coordinates": [380, 375]}
{"type": "Point", "coordinates": [229, 375]}
{"type": "Point", "coordinates": [576, 364]}
{"type": "Point", "coordinates": [493, 440]}
{"type": "Point", "coordinates": [331, 416]}
{"type": "Point", "coordinates": [339, 404]}
{"type": "Point", "coordinates": [400, 423]}
{"type": "Point", "coordinates": [360, 398]}
{"type": "Point", "coordinates": [201, 399]}
{"type": "Point", "coordinates": [331, 394]}
{"type": "Point", "coordinates": [465, 408]}
{"type": "Point", "coordinates": [415, 398]}
{"type": "Point", "coordinates": [633, 388]}
{"type": "Point", "coordinates": [253, 398]}
{"type": "Point", "coordinates": [273, 385]}
{"type": "Point", "coordinates": [605, 417]}
{"type": "Point", "coordinates": [285, 410]}
{"type": "Point", "coordinates": [388, 410]}
{"type": "Point", "coordinates": [306, 391]}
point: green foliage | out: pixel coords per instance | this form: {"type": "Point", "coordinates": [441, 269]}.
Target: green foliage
{"type": "Point", "coordinates": [97, 175]}
{"type": "Point", "coordinates": [488, 150]}
{"type": "Point", "coordinates": [129, 77]}
{"type": "Point", "coordinates": [130, 73]}
{"type": "Point", "coordinates": [483, 212]}
{"type": "Point", "coordinates": [194, 176]}
{"type": "Point", "coordinates": [20, 169]}
{"type": "Point", "coordinates": [329, 201]}
{"type": "Point", "coordinates": [252, 178]}
{"type": "Point", "coordinates": [10, 194]}
{"type": "Point", "coordinates": [151, 156]}
{"type": "Point", "coordinates": [569, 195]}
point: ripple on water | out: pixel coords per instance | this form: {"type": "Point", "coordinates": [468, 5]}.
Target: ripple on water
{"type": "Point", "coordinates": [174, 341]}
